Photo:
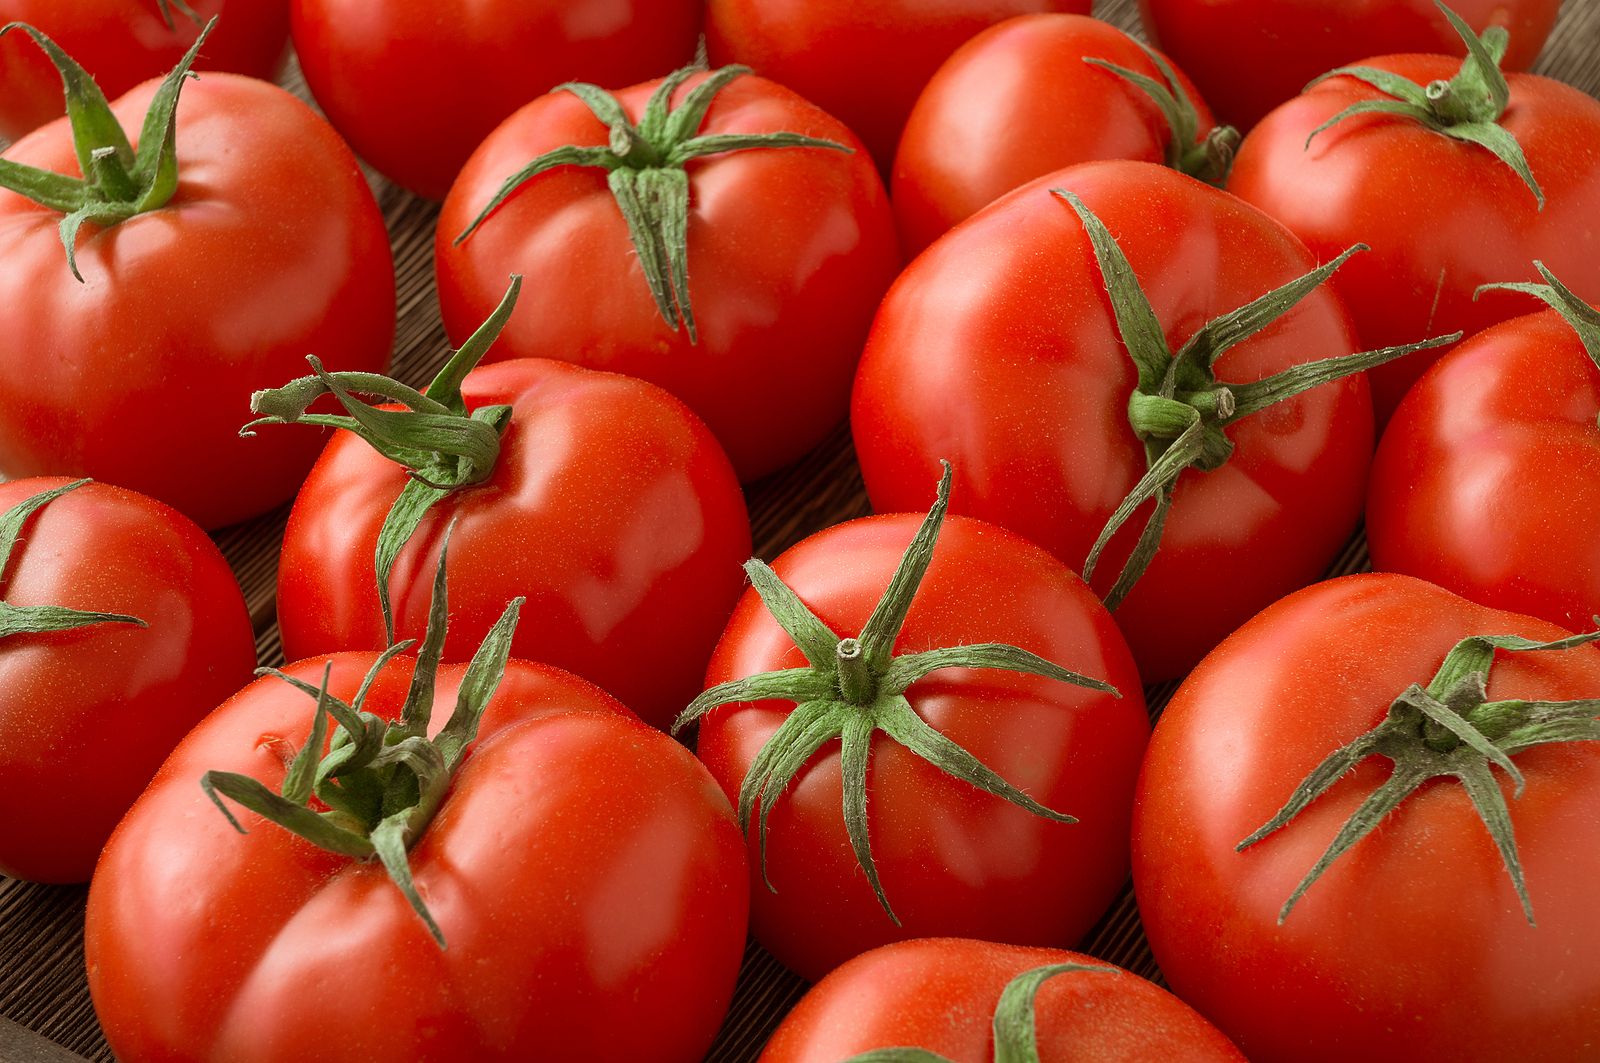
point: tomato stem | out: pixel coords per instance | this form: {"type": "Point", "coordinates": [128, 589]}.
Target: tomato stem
{"type": "Point", "coordinates": [39, 619]}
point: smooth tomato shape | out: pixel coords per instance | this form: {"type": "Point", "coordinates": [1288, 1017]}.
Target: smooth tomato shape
{"type": "Point", "coordinates": [997, 350]}
{"type": "Point", "coordinates": [92, 712]}
{"type": "Point", "coordinates": [1487, 481]}
{"type": "Point", "coordinates": [939, 994]}
{"type": "Point", "coordinates": [124, 42]}
{"type": "Point", "coordinates": [864, 61]}
{"type": "Point", "coordinates": [953, 860]}
{"type": "Point", "coordinates": [611, 509]}
{"type": "Point", "coordinates": [1442, 217]}
{"type": "Point", "coordinates": [1412, 945]}
{"type": "Point", "coordinates": [416, 85]}
{"type": "Point", "coordinates": [789, 252]}
{"type": "Point", "coordinates": [1017, 102]}
{"type": "Point", "coordinates": [1251, 55]}
{"type": "Point", "coordinates": [587, 876]}
{"type": "Point", "coordinates": [140, 375]}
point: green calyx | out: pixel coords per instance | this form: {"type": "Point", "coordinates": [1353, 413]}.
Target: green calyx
{"type": "Point", "coordinates": [166, 8]}
{"type": "Point", "coordinates": [118, 183]}
{"type": "Point", "coordinates": [853, 688]}
{"type": "Point", "coordinates": [1584, 319]}
{"type": "Point", "coordinates": [381, 781]}
{"type": "Point", "coordinates": [1468, 107]}
{"type": "Point", "coordinates": [443, 446]}
{"type": "Point", "coordinates": [38, 619]}
{"type": "Point", "coordinates": [1016, 1037]}
{"type": "Point", "coordinates": [1209, 159]}
{"type": "Point", "coordinates": [1180, 410]}
{"type": "Point", "coordinates": [645, 163]}
{"type": "Point", "coordinates": [1450, 729]}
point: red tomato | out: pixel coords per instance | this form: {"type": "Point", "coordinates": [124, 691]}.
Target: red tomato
{"type": "Point", "coordinates": [610, 508]}
{"type": "Point", "coordinates": [124, 42]}
{"type": "Point", "coordinates": [788, 252]}
{"type": "Point", "coordinates": [585, 873]}
{"type": "Point", "coordinates": [92, 711]}
{"type": "Point", "coordinates": [940, 995]}
{"type": "Point", "coordinates": [416, 85]}
{"type": "Point", "coordinates": [997, 349]}
{"type": "Point", "coordinates": [1250, 55]}
{"type": "Point", "coordinates": [1488, 479]}
{"type": "Point", "coordinates": [952, 859]}
{"type": "Point", "coordinates": [140, 374]}
{"type": "Point", "coordinates": [864, 61]}
{"type": "Point", "coordinates": [1443, 217]}
{"type": "Point", "coordinates": [1413, 945]}
{"type": "Point", "coordinates": [976, 130]}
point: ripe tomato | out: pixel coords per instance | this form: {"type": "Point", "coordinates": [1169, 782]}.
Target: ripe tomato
{"type": "Point", "coordinates": [609, 507]}
{"type": "Point", "coordinates": [124, 42]}
{"type": "Point", "coordinates": [416, 85]}
{"type": "Point", "coordinates": [270, 246]}
{"type": "Point", "coordinates": [1250, 55]}
{"type": "Point", "coordinates": [950, 847]}
{"type": "Point", "coordinates": [941, 995]}
{"type": "Point", "coordinates": [1413, 944]}
{"type": "Point", "coordinates": [975, 133]}
{"type": "Point", "coordinates": [863, 61]}
{"type": "Point", "coordinates": [999, 350]}
{"type": "Point", "coordinates": [787, 251]}
{"type": "Point", "coordinates": [1443, 216]}
{"type": "Point", "coordinates": [585, 875]}
{"type": "Point", "coordinates": [94, 707]}
{"type": "Point", "coordinates": [1488, 479]}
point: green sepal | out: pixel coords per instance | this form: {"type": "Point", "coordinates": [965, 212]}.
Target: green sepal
{"type": "Point", "coordinates": [1209, 159]}
{"type": "Point", "coordinates": [40, 619]}
{"type": "Point", "coordinates": [1448, 729]}
{"type": "Point", "coordinates": [166, 8]}
{"type": "Point", "coordinates": [854, 688]}
{"type": "Point", "coordinates": [645, 166]}
{"type": "Point", "coordinates": [1573, 308]}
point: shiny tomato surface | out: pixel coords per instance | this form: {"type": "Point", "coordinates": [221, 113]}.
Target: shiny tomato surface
{"type": "Point", "coordinates": [585, 873]}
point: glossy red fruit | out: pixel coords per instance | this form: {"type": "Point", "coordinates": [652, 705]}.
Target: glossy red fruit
{"type": "Point", "coordinates": [91, 711]}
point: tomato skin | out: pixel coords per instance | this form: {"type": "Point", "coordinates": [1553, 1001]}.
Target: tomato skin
{"type": "Point", "coordinates": [1413, 945]}
{"type": "Point", "coordinates": [997, 350]}
{"type": "Point", "coordinates": [611, 508]}
{"type": "Point", "coordinates": [582, 869]}
{"type": "Point", "coordinates": [790, 251]}
{"type": "Point", "coordinates": [976, 130]}
{"type": "Point", "coordinates": [940, 994]}
{"type": "Point", "coordinates": [142, 375]}
{"type": "Point", "coordinates": [953, 859]}
{"type": "Point", "coordinates": [124, 42]}
{"type": "Point", "coordinates": [416, 85]}
{"type": "Point", "coordinates": [1251, 55]}
{"type": "Point", "coordinates": [1443, 217]}
{"type": "Point", "coordinates": [92, 712]}
{"type": "Point", "coordinates": [1487, 481]}
{"type": "Point", "coordinates": [864, 61]}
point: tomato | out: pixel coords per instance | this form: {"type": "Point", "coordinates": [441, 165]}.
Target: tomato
{"type": "Point", "coordinates": [584, 875]}
{"type": "Point", "coordinates": [124, 42]}
{"type": "Point", "coordinates": [863, 61]}
{"type": "Point", "coordinates": [269, 247]}
{"type": "Point", "coordinates": [1488, 479]}
{"type": "Point", "coordinates": [947, 846]}
{"type": "Point", "coordinates": [940, 995]}
{"type": "Point", "coordinates": [1250, 55]}
{"type": "Point", "coordinates": [1443, 216]}
{"type": "Point", "coordinates": [608, 506]}
{"type": "Point", "coordinates": [1413, 944]}
{"type": "Point", "coordinates": [998, 349]}
{"type": "Point", "coordinates": [786, 252]}
{"type": "Point", "coordinates": [94, 705]}
{"type": "Point", "coordinates": [975, 132]}
{"type": "Point", "coordinates": [416, 85]}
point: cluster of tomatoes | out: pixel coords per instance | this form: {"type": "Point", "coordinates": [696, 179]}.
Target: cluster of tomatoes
{"type": "Point", "coordinates": [1150, 373]}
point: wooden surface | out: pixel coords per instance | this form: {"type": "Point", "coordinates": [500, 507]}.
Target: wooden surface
{"type": "Point", "coordinates": [42, 984]}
